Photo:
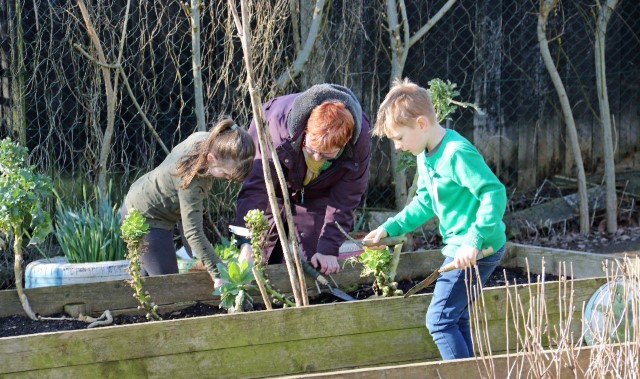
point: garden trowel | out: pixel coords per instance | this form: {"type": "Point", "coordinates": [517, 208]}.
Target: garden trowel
{"type": "Point", "coordinates": [315, 274]}
{"type": "Point", "coordinates": [306, 266]}
{"type": "Point", "coordinates": [434, 275]}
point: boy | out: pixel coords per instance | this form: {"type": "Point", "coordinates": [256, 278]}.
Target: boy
{"type": "Point", "coordinates": [456, 185]}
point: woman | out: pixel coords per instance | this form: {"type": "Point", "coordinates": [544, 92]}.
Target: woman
{"type": "Point", "coordinates": [176, 190]}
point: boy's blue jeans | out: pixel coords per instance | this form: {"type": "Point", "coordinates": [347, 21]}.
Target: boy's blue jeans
{"type": "Point", "coordinates": [448, 313]}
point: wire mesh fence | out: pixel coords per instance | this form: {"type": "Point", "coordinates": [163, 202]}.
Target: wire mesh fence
{"type": "Point", "coordinates": [58, 65]}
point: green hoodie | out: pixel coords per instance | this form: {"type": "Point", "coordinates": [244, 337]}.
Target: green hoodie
{"type": "Point", "coordinates": [456, 185]}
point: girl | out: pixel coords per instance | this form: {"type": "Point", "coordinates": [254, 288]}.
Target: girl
{"type": "Point", "coordinates": [176, 190]}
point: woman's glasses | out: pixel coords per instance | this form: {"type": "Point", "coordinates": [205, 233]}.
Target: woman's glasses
{"type": "Point", "coordinates": [316, 153]}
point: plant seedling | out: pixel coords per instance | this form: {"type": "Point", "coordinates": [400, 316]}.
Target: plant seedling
{"type": "Point", "coordinates": [238, 278]}
{"type": "Point", "coordinates": [378, 264]}
{"type": "Point", "coordinates": [134, 228]}
{"type": "Point", "coordinates": [24, 194]}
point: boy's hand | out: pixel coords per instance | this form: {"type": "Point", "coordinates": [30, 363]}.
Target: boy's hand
{"type": "Point", "coordinates": [465, 256]}
{"type": "Point", "coordinates": [328, 263]}
{"type": "Point", "coordinates": [375, 236]}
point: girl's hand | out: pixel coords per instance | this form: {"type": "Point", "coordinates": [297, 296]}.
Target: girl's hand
{"type": "Point", "coordinates": [375, 236]}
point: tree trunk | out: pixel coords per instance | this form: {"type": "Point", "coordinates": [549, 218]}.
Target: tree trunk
{"type": "Point", "coordinates": [487, 80]}
{"type": "Point", "coordinates": [196, 63]}
{"type": "Point", "coordinates": [546, 6]}
{"type": "Point", "coordinates": [17, 269]}
{"type": "Point", "coordinates": [18, 122]}
{"type": "Point", "coordinates": [6, 41]}
{"type": "Point", "coordinates": [604, 14]}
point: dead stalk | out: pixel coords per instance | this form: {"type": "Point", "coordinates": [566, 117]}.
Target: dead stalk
{"type": "Point", "coordinates": [292, 259]}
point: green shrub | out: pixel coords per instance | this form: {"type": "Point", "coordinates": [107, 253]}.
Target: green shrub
{"type": "Point", "coordinates": [90, 233]}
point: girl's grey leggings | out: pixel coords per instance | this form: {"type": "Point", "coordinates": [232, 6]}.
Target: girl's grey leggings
{"type": "Point", "coordinates": [159, 256]}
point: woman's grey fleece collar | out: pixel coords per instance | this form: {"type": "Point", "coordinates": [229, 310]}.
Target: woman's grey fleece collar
{"type": "Point", "coordinates": [318, 94]}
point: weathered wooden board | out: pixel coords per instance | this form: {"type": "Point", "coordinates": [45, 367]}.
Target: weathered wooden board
{"type": "Point", "coordinates": [279, 342]}
{"type": "Point", "coordinates": [180, 290]}
{"type": "Point", "coordinates": [496, 366]}
{"type": "Point", "coordinates": [578, 264]}
{"type": "Point", "coordinates": [168, 290]}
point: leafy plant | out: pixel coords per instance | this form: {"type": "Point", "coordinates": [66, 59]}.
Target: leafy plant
{"type": "Point", "coordinates": [378, 264]}
{"type": "Point", "coordinates": [237, 279]}
{"type": "Point", "coordinates": [134, 228]}
{"type": "Point", "coordinates": [258, 225]}
{"type": "Point", "coordinates": [228, 252]}
{"type": "Point", "coordinates": [23, 197]}
{"type": "Point", "coordinates": [88, 235]}
{"type": "Point", "coordinates": [443, 96]}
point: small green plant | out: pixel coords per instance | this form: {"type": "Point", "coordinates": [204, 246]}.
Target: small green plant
{"type": "Point", "coordinates": [134, 228]}
{"type": "Point", "coordinates": [88, 235]}
{"type": "Point", "coordinates": [258, 225]}
{"type": "Point", "coordinates": [378, 264]}
{"type": "Point", "coordinates": [24, 194]}
{"type": "Point", "coordinates": [238, 279]}
{"type": "Point", "coordinates": [228, 252]}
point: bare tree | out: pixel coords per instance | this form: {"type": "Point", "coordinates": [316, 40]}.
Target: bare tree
{"type": "Point", "coordinates": [401, 41]}
{"type": "Point", "coordinates": [546, 6]}
{"type": "Point", "coordinates": [196, 61]}
{"type": "Point", "coordinates": [605, 10]}
{"type": "Point", "coordinates": [303, 55]}
{"type": "Point", "coordinates": [18, 121]}
{"type": "Point", "coordinates": [111, 90]}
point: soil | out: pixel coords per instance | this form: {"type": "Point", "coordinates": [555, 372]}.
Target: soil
{"type": "Point", "coordinates": [17, 325]}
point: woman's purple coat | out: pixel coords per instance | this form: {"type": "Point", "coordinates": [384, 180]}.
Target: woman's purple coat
{"type": "Point", "coordinates": [334, 195]}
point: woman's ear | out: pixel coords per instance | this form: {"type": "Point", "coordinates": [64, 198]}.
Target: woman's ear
{"type": "Point", "coordinates": [210, 158]}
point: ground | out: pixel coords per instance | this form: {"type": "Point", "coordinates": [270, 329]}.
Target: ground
{"type": "Point", "coordinates": [626, 240]}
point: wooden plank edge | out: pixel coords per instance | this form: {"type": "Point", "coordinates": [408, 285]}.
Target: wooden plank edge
{"type": "Point", "coordinates": [494, 366]}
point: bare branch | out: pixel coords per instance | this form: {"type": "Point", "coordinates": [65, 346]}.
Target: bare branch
{"type": "Point", "coordinates": [297, 66]}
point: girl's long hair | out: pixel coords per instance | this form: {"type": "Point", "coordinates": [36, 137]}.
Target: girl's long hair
{"type": "Point", "coordinates": [228, 143]}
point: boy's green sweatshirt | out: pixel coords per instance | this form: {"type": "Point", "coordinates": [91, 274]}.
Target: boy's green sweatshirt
{"type": "Point", "coordinates": [456, 185]}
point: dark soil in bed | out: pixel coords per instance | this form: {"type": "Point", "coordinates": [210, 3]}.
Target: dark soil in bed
{"type": "Point", "coordinates": [17, 325]}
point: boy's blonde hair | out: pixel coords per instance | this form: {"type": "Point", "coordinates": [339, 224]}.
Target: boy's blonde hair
{"type": "Point", "coordinates": [405, 102]}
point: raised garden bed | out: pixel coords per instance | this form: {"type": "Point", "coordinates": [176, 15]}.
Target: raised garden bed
{"type": "Point", "coordinates": [279, 342]}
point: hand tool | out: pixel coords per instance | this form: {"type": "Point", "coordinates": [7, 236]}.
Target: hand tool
{"type": "Point", "coordinates": [387, 241]}
{"type": "Point", "coordinates": [434, 275]}
{"type": "Point", "coordinates": [306, 266]}
{"type": "Point", "coordinates": [315, 274]}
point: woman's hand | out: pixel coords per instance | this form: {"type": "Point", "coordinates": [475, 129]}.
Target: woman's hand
{"type": "Point", "coordinates": [328, 263]}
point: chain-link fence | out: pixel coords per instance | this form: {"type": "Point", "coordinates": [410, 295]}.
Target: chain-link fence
{"type": "Point", "coordinates": [52, 69]}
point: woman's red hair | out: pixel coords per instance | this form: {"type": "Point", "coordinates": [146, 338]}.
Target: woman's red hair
{"type": "Point", "coordinates": [330, 126]}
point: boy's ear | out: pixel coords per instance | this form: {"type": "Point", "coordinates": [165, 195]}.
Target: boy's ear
{"type": "Point", "coordinates": [422, 122]}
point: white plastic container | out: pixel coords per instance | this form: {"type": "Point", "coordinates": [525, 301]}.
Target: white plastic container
{"type": "Point", "coordinates": [57, 271]}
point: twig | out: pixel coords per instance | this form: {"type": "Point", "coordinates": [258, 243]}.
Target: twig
{"type": "Point", "coordinates": [119, 69]}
